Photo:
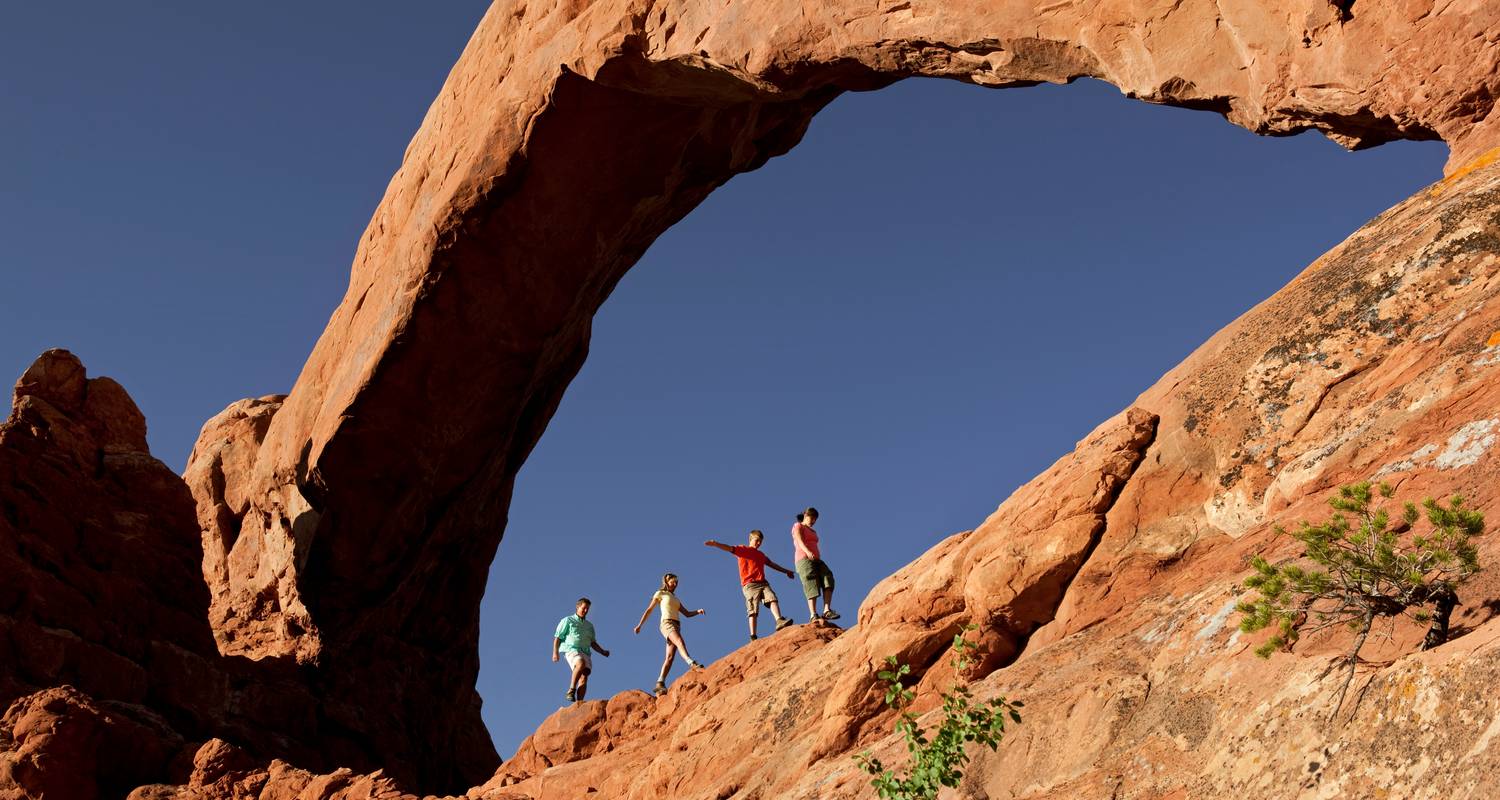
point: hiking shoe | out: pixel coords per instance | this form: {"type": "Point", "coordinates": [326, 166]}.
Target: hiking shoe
{"type": "Point", "coordinates": [830, 614]}
{"type": "Point", "coordinates": [753, 637]}
{"type": "Point", "coordinates": [783, 622]}
{"type": "Point", "coordinates": [571, 697]}
{"type": "Point", "coordinates": [661, 688]}
{"type": "Point", "coordinates": [696, 664]}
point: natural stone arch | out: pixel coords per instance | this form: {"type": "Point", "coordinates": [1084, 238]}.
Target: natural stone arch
{"type": "Point", "coordinates": [566, 139]}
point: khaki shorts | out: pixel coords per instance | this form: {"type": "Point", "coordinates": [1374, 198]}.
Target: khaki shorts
{"type": "Point", "coordinates": [668, 626]}
{"type": "Point", "coordinates": [815, 575]}
{"type": "Point", "coordinates": [756, 593]}
{"type": "Point", "coordinates": [574, 658]}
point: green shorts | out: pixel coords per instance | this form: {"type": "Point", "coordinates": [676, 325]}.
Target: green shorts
{"type": "Point", "coordinates": [815, 575]}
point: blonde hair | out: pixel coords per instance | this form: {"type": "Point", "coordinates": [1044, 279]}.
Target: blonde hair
{"type": "Point", "coordinates": [664, 579]}
{"type": "Point", "coordinates": [758, 535]}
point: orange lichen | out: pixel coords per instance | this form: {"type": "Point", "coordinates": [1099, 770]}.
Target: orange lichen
{"type": "Point", "coordinates": [1493, 340]}
{"type": "Point", "coordinates": [1484, 160]}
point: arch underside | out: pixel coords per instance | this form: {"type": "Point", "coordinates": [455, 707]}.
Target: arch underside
{"type": "Point", "coordinates": [566, 139]}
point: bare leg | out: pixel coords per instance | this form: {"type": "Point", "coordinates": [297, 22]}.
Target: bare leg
{"type": "Point", "coordinates": [754, 618]}
{"type": "Point", "coordinates": [583, 686]}
{"type": "Point", "coordinates": [828, 599]}
{"type": "Point", "coordinates": [666, 663]}
{"type": "Point", "coordinates": [578, 677]}
{"type": "Point", "coordinates": [812, 608]}
{"type": "Point", "coordinates": [775, 607]}
{"type": "Point", "coordinates": [675, 639]}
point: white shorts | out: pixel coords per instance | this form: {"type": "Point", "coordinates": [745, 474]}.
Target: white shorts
{"type": "Point", "coordinates": [575, 658]}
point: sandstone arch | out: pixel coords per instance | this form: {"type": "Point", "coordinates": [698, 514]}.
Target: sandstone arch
{"type": "Point", "coordinates": [357, 535]}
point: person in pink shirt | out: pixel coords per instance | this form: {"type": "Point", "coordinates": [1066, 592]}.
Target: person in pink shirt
{"type": "Point", "coordinates": [815, 575]}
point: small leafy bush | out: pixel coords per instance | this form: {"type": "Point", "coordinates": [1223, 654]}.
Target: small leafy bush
{"type": "Point", "coordinates": [936, 761]}
{"type": "Point", "coordinates": [1364, 568]}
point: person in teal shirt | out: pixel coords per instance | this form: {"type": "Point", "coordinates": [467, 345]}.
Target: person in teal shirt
{"type": "Point", "coordinates": [575, 637]}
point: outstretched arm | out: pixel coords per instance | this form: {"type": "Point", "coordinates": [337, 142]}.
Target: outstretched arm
{"type": "Point", "coordinates": [645, 614]}
{"type": "Point", "coordinates": [600, 650]}
{"type": "Point", "coordinates": [688, 613]}
{"type": "Point", "coordinates": [715, 543]}
{"type": "Point", "coordinates": [781, 569]}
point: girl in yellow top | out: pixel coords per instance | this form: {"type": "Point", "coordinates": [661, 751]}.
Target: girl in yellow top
{"type": "Point", "coordinates": [671, 626]}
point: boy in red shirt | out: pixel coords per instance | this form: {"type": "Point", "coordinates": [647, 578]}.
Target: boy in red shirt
{"type": "Point", "coordinates": [753, 583]}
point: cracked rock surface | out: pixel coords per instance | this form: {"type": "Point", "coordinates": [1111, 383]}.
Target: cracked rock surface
{"type": "Point", "coordinates": [347, 528]}
{"type": "Point", "coordinates": [511, 219]}
{"type": "Point", "coordinates": [1105, 588]}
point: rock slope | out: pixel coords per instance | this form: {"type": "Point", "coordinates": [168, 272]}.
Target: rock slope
{"type": "Point", "coordinates": [1104, 589]}
{"type": "Point", "coordinates": [347, 528]}
{"type": "Point", "coordinates": [512, 218]}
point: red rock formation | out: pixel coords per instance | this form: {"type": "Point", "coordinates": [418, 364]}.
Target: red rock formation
{"type": "Point", "coordinates": [365, 566]}
{"type": "Point", "coordinates": [348, 529]}
{"type": "Point", "coordinates": [61, 743]}
{"type": "Point", "coordinates": [1105, 587]}
{"type": "Point", "coordinates": [108, 666]}
{"type": "Point", "coordinates": [1115, 575]}
{"type": "Point", "coordinates": [98, 549]}
{"type": "Point", "coordinates": [226, 447]}
{"type": "Point", "coordinates": [224, 772]}
{"type": "Point", "coordinates": [257, 612]}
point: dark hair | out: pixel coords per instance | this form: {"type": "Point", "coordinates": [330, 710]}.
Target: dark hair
{"type": "Point", "coordinates": [810, 512]}
{"type": "Point", "coordinates": [584, 600]}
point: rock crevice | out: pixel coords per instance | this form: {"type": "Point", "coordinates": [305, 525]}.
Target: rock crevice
{"type": "Point", "coordinates": [347, 531]}
{"type": "Point", "coordinates": [457, 293]}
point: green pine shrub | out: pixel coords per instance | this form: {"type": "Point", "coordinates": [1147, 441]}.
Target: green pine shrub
{"type": "Point", "coordinates": [1358, 567]}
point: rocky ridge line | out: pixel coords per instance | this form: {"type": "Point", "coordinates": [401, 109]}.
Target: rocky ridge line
{"type": "Point", "coordinates": [456, 293]}
{"type": "Point", "coordinates": [1136, 682]}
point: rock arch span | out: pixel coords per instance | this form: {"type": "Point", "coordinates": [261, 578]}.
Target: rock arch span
{"type": "Point", "coordinates": [349, 526]}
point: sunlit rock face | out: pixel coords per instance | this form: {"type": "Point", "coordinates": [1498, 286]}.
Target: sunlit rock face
{"type": "Point", "coordinates": [347, 528]}
{"type": "Point", "coordinates": [1104, 588]}
{"type": "Point", "coordinates": [367, 513]}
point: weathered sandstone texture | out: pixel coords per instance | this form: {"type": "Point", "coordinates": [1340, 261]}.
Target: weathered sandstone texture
{"type": "Point", "coordinates": [1379, 360]}
{"type": "Point", "coordinates": [226, 446]}
{"type": "Point", "coordinates": [98, 589]}
{"type": "Point", "coordinates": [1104, 588]}
{"type": "Point", "coordinates": [357, 527]}
{"type": "Point", "coordinates": [109, 675]}
{"type": "Point", "coordinates": [346, 529]}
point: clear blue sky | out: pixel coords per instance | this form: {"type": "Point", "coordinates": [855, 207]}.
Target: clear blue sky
{"type": "Point", "coordinates": [914, 312]}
